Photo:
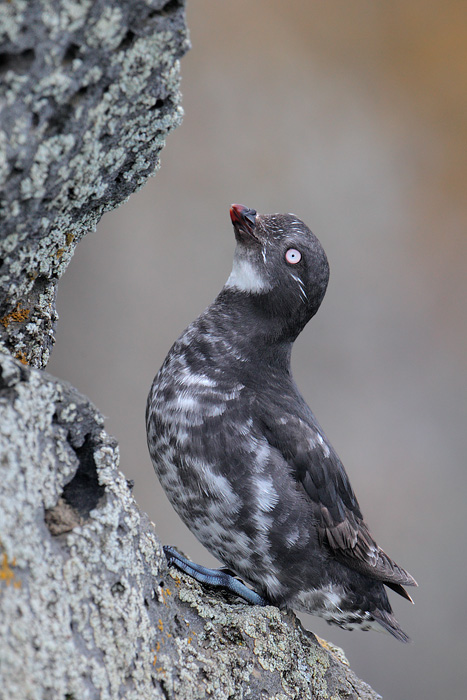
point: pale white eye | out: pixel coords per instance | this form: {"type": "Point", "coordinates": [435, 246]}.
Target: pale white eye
{"type": "Point", "coordinates": [293, 256]}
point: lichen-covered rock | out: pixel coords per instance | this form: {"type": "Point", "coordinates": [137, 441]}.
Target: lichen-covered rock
{"type": "Point", "coordinates": [88, 92]}
{"type": "Point", "coordinates": [88, 609]}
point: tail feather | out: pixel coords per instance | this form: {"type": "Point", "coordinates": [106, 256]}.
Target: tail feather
{"type": "Point", "coordinates": [399, 589]}
{"type": "Point", "coordinates": [390, 624]}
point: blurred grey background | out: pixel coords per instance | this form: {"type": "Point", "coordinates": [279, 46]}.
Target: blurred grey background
{"type": "Point", "coordinates": [352, 116]}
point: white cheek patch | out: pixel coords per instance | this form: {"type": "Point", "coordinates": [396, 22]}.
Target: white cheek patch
{"type": "Point", "coordinates": [246, 277]}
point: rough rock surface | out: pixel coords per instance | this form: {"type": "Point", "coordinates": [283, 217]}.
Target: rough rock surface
{"type": "Point", "coordinates": [88, 608]}
{"type": "Point", "coordinates": [88, 93]}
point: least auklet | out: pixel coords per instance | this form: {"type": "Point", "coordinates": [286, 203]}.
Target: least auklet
{"type": "Point", "coordinates": [243, 459]}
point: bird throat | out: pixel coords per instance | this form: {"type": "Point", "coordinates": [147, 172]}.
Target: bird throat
{"type": "Point", "coordinates": [245, 275]}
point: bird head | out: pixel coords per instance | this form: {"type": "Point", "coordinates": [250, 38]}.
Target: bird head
{"type": "Point", "coordinates": [280, 264]}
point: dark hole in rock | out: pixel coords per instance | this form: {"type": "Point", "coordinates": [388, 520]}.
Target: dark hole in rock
{"type": "Point", "coordinates": [159, 103]}
{"type": "Point", "coordinates": [165, 689]}
{"type": "Point", "coordinates": [18, 62]}
{"type": "Point", "coordinates": [71, 53]}
{"type": "Point", "coordinates": [106, 138]}
{"type": "Point", "coordinates": [83, 492]}
{"type": "Point", "coordinates": [170, 7]}
{"type": "Point", "coordinates": [79, 94]}
{"type": "Point", "coordinates": [41, 284]}
{"type": "Point", "coordinates": [59, 121]}
{"type": "Point", "coordinates": [127, 40]}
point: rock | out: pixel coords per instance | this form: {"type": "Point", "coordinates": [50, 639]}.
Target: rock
{"type": "Point", "coordinates": [88, 92]}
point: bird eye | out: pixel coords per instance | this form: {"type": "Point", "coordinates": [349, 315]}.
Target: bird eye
{"type": "Point", "coordinates": [293, 256]}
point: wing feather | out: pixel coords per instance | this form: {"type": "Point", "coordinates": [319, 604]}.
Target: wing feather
{"type": "Point", "coordinates": [341, 527]}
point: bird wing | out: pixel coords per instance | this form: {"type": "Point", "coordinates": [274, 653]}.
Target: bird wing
{"type": "Point", "coordinates": [317, 468]}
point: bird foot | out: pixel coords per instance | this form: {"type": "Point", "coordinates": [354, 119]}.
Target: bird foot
{"type": "Point", "coordinates": [220, 578]}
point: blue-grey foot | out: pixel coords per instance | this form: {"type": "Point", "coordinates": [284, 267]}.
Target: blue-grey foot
{"type": "Point", "coordinates": [221, 578]}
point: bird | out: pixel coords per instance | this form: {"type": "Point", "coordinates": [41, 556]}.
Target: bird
{"type": "Point", "coordinates": [241, 456]}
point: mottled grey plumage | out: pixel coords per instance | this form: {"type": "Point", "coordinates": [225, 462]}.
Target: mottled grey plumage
{"type": "Point", "coordinates": [241, 456]}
